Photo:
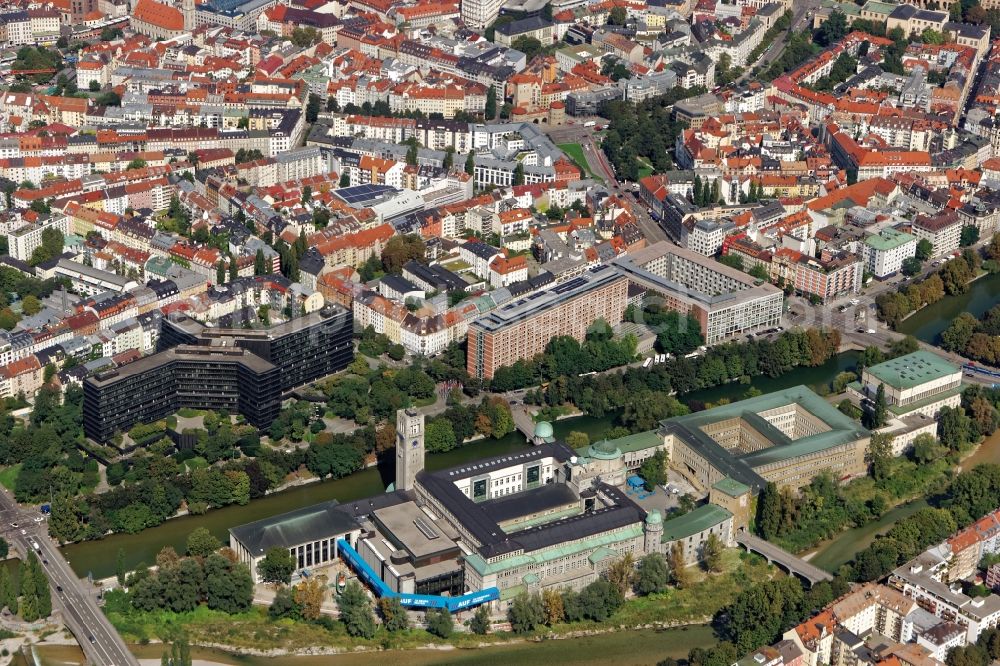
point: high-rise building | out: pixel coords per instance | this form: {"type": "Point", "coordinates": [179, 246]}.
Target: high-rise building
{"type": "Point", "coordinates": [244, 371]}
{"type": "Point", "coordinates": [522, 328]}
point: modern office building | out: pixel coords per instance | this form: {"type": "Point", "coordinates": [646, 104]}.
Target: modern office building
{"type": "Point", "coordinates": [522, 328]}
{"type": "Point", "coordinates": [725, 301]}
{"type": "Point", "coordinates": [245, 371]}
{"type": "Point", "coordinates": [304, 349]}
{"type": "Point", "coordinates": [787, 437]}
{"type": "Point", "coordinates": [918, 383]}
{"type": "Point", "coordinates": [202, 377]}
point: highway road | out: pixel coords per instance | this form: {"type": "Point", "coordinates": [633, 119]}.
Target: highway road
{"type": "Point", "coordinates": [77, 599]}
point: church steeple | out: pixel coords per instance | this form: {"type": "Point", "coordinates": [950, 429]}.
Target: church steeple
{"type": "Point", "coordinates": [188, 10]}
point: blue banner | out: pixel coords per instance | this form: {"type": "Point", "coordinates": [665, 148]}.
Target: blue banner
{"type": "Point", "coordinates": [453, 604]}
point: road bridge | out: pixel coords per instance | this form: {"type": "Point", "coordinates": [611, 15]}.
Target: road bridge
{"type": "Point", "coordinates": [775, 555]}
{"type": "Point", "coordinates": [75, 598]}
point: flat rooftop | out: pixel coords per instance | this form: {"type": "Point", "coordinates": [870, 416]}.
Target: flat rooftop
{"type": "Point", "coordinates": [530, 305]}
{"type": "Point", "coordinates": [219, 353]}
{"type": "Point", "coordinates": [416, 532]}
{"type": "Point", "coordinates": [633, 265]}
{"type": "Point", "coordinates": [905, 372]}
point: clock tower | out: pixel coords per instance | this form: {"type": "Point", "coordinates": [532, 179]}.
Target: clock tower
{"type": "Point", "coordinates": [409, 447]}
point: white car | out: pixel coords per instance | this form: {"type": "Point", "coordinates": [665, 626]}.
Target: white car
{"type": "Point", "coordinates": [871, 331]}
{"type": "Point", "coordinates": [39, 519]}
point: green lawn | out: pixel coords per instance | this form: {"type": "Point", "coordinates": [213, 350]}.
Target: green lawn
{"type": "Point", "coordinates": [645, 168]}
{"type": "Point", "coordinates": [8, 476]}
{"type": "Point", "coordinates": [575, 152]}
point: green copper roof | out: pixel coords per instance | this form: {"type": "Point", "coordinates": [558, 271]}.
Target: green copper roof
{"type": "Point", "coordinates": [842, 431]}
{"type": "Point", "coordinates": [604, 450]}
{"type": "Point", "coordinates": [543, 429]}
{"type": "Point", "coordinates": [732, 487]}
{"type": "Point", "coordinates": [889, 239]}
{"type": "Point", "coordinates": [693, 522]}
{"type": "Point", "coordinates": [905, 372]}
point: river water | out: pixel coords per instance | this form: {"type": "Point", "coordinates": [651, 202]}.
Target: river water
{"type": "Point", "coordinates": [928, 323]}
{"type": "Point", "coordinates": [98, 557]}
{"type": "Point", "coordinates": [625, 648]}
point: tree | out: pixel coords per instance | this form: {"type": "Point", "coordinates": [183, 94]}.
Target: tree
{"type": "Point", "coordinates": [653, 470]}
{"type": "Point", "coordinates": [519, 174]}
{"type": "Point", "coordinates": [480, 622]}
{"type": "Point", "coordinates": [552, 603]}
{"type": "Point", "coordinates": [439, 435]}
{"type": "Point", "coordinates": [449, 158]}
{"type": "Point", "coordinates": [356, 611]}
{"type": "Point", "coordinates": [411, 154]}
{"type": "Point", "coordinates": [120, 570]}
{"type": "Point", "coordinates": [393, 614]}
{"type": "Point", "coordinates": [880, 455]}
{"type": "Point", "coordinates": [470, 163]}
{"type": "Point", "coordinates": [954, 429]}
{"type": "Point", "coordinates": [832, 30]}
{"type": "Point", "coordinates": [491, 103]}
{"type": "Point", "coordinates": [652, 575]}
{"type": "Point", "coordinates": [678, 566]}
{"type": "Point", "coordinates": [577, 439]}
{"type": "Point", "coordinates": [345, 179]}
{"type": "Point", "coordinates": [8, 591]}
{"type": "Point", "coordinates": [309, 595]}
{"type": "Point", "coordinates": [52, 241]}
{"type": "Point", "coordinates": [876, 412]}
{"type": "Point", "coordinates": [617, 16]}
{"type": "Point", "coordinates": [31, 305]}
{"type": "Point", "coordinates": [526, 613]}
{"type": "Point", "coordinates": [259, 264]}
{"type": "Point", "coordinates": [621, 573]}
{"type": "Point", "coordinates": [277, 566]}
{"type": "Point", "coordinates": [313, 107]}
{"type": "Point", "coordinates": [220, 272]}
{"type": "Point", "coordinates": [925, 249]}
{"type": "Point", "coordinates": [401, 249]}
{"type": "Point", "coordinates": [439, 622]}
{"type": "Point", "coordinates": [970, 235]}
{"type": "Point", "coordinates": [712, 553]}
{"type": "Point", "coordinates": [769, 511]}
{"type": "Point", "coordinates": [201, 543]}
{"type": "Point", "coordinates": [911, 266]}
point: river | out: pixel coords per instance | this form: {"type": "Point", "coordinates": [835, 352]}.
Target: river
{"type": "Point", "coordinates": [927, 323]}
{"type": "Point", "coordinates": [625, 648]}
{"type": "Point", "coordinates": [98, 557]}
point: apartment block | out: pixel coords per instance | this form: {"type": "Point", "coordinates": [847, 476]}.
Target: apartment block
{"type": "Point", "coordinates": [522, 328]}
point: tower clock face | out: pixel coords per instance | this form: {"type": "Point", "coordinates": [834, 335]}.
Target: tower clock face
{"type": "Point", "coordinates": [416, 443]}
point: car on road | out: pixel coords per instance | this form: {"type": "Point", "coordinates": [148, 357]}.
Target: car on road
{"type": "Point", "coordinates": [14, 525]}
{"type": "Point", "coordinates": [871, 331]}
{"type": "Point", "coordinates": [58, 588]}
{"type": "Point", "coordinates": [39, 519]}
{"type": "Point", "coordinates": [24, 531]}
{"type": "Point", "coordinates": [91, 638]}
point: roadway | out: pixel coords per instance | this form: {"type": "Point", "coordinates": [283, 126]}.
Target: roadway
{"type": "Point", "coordinates": [75, 598]}
{"type": "Point", "coordinates": [801, 13]}
{"type": "Point", "coordinates": [600, 167]}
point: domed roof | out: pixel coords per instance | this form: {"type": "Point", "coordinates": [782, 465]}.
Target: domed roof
{"type": "Point", "coordinates": [604, 450]}
{"type": "Point", "coordinates": [654, 518]}
{"type": "Point", "coordinates": [543, 429]}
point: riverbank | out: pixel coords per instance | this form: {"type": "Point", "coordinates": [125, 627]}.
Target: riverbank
{"type": "Point", "coordinates": [626, 648]}
{"type": "Point", "coordinates": [927, 323]}
{"type": "Point", "coordinates": [254, 634]}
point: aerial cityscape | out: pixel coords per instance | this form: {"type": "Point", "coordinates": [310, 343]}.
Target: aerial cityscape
{"type": "Point", "coordinates": [536, 332]}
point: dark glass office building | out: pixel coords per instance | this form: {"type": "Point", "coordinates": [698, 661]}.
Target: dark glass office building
{"type": "Point", "coordinates": [238, 370]}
